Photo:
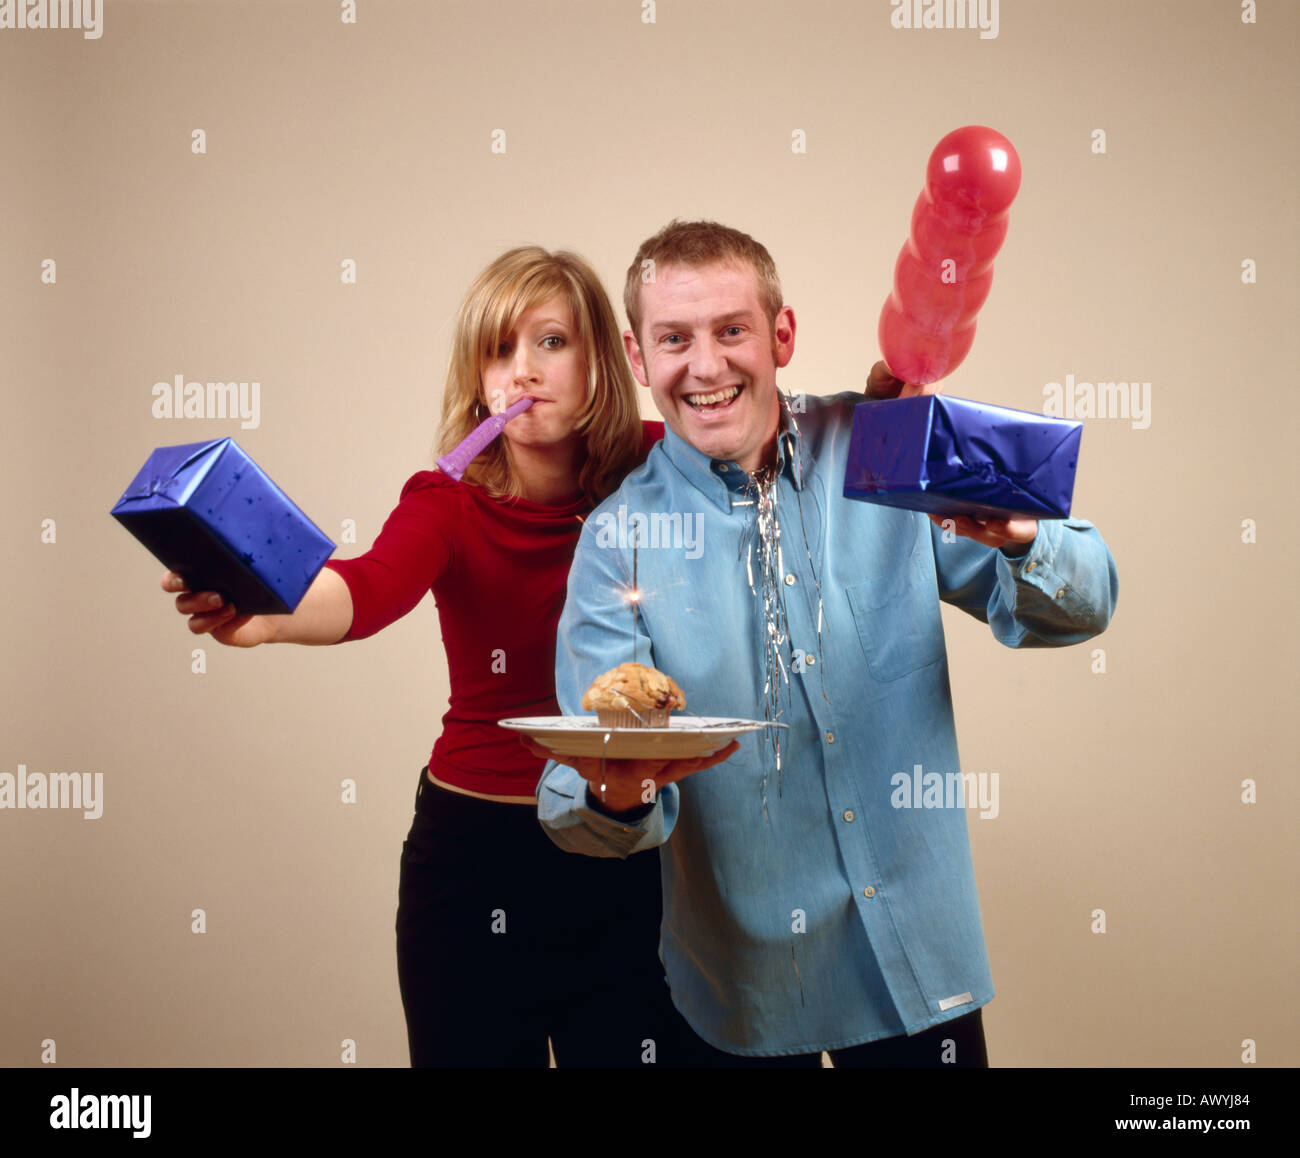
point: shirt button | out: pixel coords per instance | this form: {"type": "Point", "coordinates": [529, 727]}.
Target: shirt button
{"type": "Point", "coordinates": [723, 468]}
{"type": "Point", "coordinates": [1030, 566]}
{"type": "Point", "coordinates": [1060, 593]}
{"type": "Point", "coordinates": [830, 737]}
{"type": "Point", "coordinates": [789, 580]}
{"type": "Point", "coordinates": [868, 892]}
{"type": "Point", "coordinates": [848, 815]}
{"type": "Point", "coordinates": [810, 660]}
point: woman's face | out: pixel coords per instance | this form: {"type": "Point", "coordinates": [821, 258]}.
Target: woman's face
{"type": "Point", "coordinates": [542, 358]}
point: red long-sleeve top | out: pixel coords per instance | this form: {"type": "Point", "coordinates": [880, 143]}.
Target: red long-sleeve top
{"type": "Point", "coordinates": [498, 570]}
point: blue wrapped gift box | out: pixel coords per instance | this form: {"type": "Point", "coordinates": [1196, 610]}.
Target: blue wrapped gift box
{"type": "Point", "coordinates": [207, 511]}
{"type": "Point", "coordinates": [951, 456]}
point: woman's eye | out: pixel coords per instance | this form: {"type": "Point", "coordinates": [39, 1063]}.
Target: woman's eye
{"type": "Point", "coordinates": [555, 338]}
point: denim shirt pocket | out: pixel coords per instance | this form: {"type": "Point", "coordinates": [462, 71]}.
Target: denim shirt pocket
{"type": "Point", "coordinates": [897, 618]}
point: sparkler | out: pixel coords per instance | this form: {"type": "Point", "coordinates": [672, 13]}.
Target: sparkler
{"type": "Point", "coordinates": [633, 597]}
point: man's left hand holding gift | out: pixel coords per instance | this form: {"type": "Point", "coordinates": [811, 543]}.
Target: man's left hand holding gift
{"type": "Point", "coordinates": [1012, 536]}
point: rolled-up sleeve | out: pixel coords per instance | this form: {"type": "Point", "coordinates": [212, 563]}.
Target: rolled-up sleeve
{"type": "Point", "coordinates": [572, 822]}
{"type": "Point", "coordinates": [1062, 591]}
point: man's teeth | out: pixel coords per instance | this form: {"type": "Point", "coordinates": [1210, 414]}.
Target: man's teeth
{"type": "Point", "coordinates": [708, 399]}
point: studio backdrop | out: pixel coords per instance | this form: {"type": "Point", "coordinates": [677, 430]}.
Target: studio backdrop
{"type": "Point", "coordinates": [290, 198]}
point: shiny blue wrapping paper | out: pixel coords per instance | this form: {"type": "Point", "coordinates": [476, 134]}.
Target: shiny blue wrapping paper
{"type": "Point", "coordinates": [208, 512]}
{"type": "Point", "coordinates": [951, 456]}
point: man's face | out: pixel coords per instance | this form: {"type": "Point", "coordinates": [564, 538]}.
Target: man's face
{"type": "Point", "coordinates": [710, 359]}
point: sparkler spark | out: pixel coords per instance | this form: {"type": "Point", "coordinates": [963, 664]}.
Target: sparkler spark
{"type": "Point", "coordinates": [633, 597]}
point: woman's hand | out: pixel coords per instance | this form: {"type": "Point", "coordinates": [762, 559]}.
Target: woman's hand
{"type": "Point", "coordinates": [211, 615]}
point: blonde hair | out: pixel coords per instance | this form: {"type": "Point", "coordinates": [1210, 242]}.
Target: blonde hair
{"type": "Point", "coordinates": [609, 422]}
{"type": "Point", "coordinates": [695, 244]}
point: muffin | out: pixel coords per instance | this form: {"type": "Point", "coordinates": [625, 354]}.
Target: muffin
{"type": "Point", "coordinates": [633, 696]}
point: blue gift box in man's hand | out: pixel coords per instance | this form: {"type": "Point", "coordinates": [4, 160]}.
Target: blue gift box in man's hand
{"type": "Point", "coordinates": [208, 512]}
{"type": "Point", "coordinates": [951, 456]}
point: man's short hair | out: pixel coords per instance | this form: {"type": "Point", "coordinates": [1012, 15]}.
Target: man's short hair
{"type": "Point", "coordinates": [695, 244]}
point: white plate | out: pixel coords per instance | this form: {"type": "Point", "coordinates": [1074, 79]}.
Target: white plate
{"type": "Point", "coordinates": [684, 738]}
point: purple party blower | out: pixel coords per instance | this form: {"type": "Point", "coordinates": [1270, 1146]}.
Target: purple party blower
{"type": "Point", "coordinates": [474, 443]}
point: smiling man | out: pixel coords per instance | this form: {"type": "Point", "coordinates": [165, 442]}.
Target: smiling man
{"type": "Point", "coordinates": [711, 353]}
{"type": "Point", "coordinates": [804, 909]}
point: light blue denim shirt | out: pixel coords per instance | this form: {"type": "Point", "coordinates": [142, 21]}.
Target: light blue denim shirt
{"type": "Point", "coordinates": [832, 903]}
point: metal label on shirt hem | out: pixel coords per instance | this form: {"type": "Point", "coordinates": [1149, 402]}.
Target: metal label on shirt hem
{"type": "Point", "coordinates": [951, 1002]}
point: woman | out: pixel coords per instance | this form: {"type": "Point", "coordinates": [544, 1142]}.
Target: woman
{"type": "Point", "coordinates": [503, 939]}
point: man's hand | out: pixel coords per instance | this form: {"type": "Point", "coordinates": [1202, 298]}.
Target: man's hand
{"type": "Point", "coordinates": [882, 384]}
{"type": "Point", "coordinates": [628, 783]}
{"type": "Point", "coordinates": [1014, 534]}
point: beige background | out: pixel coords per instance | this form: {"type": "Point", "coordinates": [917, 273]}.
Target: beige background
{"type": "Point", "coordinates": [1119, 791]}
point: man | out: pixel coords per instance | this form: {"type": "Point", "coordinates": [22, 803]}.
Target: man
{"type": "Point", "coordinates": [805, 908]}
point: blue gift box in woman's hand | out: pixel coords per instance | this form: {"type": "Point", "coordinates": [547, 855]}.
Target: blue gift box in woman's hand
{"type": "Point", "coordinates": [951, 456]}
{"type": "Point", "coordinates": [208, 512]}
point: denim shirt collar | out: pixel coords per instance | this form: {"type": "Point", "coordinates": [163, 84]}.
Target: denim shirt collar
{"type": "Point", "coordinates": [723, 482]}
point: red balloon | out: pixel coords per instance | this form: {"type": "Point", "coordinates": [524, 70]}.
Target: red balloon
{"type": "Point", "coordinates": [921, 356]}
{"type": "Point", "coordinates": [934, 239]}
{"type": "Point", "coordinates": [944, 272]}
{"type": "Point", "coordinates": [936, 302]}
{"type": "Point", "coordinates": [974, 173]}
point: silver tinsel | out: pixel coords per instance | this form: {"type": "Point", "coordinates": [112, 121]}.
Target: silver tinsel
{"type": "Point", "coordinates": [763, 554]}
{"type": "Point", "coordinates": [761, 546]}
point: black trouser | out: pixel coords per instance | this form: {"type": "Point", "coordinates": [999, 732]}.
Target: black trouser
{"type": "Point", "coordinates": [955, 1044]}
{"type": "Point", "coordinates": [504, 939]}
